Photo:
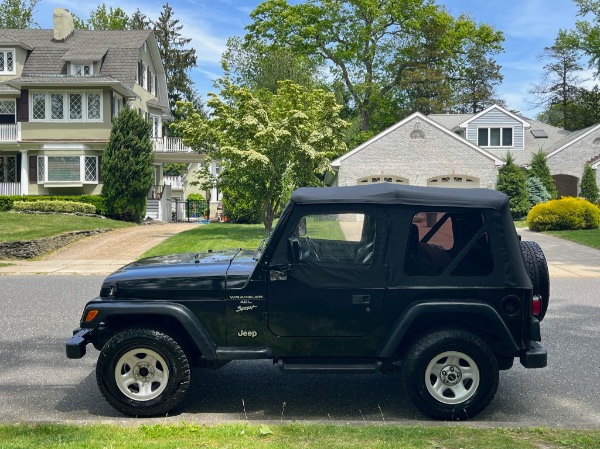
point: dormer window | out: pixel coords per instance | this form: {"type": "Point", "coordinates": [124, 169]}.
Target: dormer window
{"type": "Point", "coordinates": [83, 69]}
{"type": "Point", "coordinates": [7, 62]}
{"type": "Point", "coordinates": [495, 137]}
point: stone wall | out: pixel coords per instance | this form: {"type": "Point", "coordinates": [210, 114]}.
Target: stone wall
{"type": "Point", "coordinates": [28, 249]}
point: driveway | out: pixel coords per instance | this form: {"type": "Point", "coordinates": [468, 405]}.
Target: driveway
{"type": "Point", "coordinates": [101, 253]}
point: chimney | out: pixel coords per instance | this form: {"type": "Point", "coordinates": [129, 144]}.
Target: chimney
{"type": "Point", "coordinates": [63, 24]}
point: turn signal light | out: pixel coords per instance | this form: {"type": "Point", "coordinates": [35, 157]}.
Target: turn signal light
{"type": "Point", "coordinates": [536, 305]}
{"type": "Point", "coordinates": [91, 315]}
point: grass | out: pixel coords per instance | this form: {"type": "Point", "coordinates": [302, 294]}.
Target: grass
{"type": "Point", "coordinates": [587, 237]}
{"type": "Point", "coordinates": [15, 227]}
{"type": "Point", "coordinates": [290, 436]}
{"type": "Point", "coordinates": [215, 236]}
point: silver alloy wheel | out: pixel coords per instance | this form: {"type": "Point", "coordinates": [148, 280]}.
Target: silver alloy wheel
{"type": "Point", "coordinates": [452, 377]}
{"type": "Point", "coordinates": [141, 374]}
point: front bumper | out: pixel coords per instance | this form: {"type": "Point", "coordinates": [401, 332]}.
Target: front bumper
{"type": "Point", "coordinates": [75, 345]}
{"type": "Point", "coordinates": [536, 357]}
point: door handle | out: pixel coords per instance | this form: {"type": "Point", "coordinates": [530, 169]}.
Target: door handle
{"type": "Point", "coordinates": [361, 299]}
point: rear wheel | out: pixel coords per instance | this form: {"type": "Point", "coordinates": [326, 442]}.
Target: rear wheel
{"type": "Point", "coordinates": [451, 374]}
{"type": "Point", "coordinates": [143, 372]}
{"type": "Point", "coordinates": [537, 268]}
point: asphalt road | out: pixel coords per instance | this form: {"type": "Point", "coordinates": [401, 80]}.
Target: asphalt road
{"type": "Point", "coordinates": [38, 383]}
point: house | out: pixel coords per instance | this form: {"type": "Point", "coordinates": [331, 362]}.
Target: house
{"type": "Point", "coordinates": [60, 90]}
{"type": "Point", "coordinates": [467, 150]}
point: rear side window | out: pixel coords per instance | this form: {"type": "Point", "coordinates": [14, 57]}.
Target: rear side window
{"type": "Point", "coordinates": [438, 240]}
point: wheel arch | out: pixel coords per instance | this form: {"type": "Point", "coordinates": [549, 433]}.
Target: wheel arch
{"type": "Point", "coordinates": [174, 319]}
{"type": "Point", "coordinates": [425, 317]}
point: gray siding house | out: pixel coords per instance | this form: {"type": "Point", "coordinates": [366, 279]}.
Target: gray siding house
{"type": "Point", "coordinates": [467, 150]}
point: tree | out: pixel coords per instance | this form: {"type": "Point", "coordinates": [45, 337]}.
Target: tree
{"type": "Point", "coordinates": [377, 48]}
{"type": "Point", "coordinates": [269, 143]}
{"type": "Point", "coordinates": [18, 14]}
{"type": "Point", "coordinates": [589, 187]}
{"type": "Point", "coordinates": [536, 191]}
{"type": "Point", "coordinates": [175, 169]}
{"type": "Point", "coordinates": [540, 170]}
{"type": "Point", "coordinates": [111, 19]}
{"type": "Point", "coordinates": [560, 83]}
{"type": "Point", "coordinates": [513, 182]}
{"type": "Point", "coordinates": [139, 21]}
{"type": "Point", "coordinates": [127, 166]}
{"type": "Point", "coordinates": [177, 59]}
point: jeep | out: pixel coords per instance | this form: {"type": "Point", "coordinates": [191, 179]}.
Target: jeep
{"type": "Point", "coordinates": [432, 282]}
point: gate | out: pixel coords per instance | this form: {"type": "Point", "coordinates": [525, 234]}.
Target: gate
{"type": "Point", "coordinates": [190, 210]}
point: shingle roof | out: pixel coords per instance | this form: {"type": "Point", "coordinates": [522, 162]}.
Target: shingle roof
{"type": "Point", "coordinates": [120, 49]}
{"type": "Point", "coordinates": [450, 121]}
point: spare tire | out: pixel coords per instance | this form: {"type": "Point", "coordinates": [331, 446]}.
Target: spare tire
{"type": "Point", "coordinates": [537, 268]}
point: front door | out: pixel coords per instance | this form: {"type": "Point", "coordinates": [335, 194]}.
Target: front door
{"type": "Point", "coordinates": [335, 284]}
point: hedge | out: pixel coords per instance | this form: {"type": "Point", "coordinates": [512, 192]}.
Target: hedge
{"type": "Point", "coordinates": [6, 202]}
{"type": "Point", "coordinates": [568, 213]}
{"type": "Point", "coordinates": [54, 206]}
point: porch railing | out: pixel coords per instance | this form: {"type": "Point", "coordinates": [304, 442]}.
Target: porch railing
{"type": "Point", "coordinates": [10, 188]}
{"type": "Point", "coordinates": [10, 132]}
{"type": "Point", "coordinates": [155, 192]}
{"type": "Point", "coordinates": [170, 145]}
{"type": "Point", "coordinates": [176, 182]}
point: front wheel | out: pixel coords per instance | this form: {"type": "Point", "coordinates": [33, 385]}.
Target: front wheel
{"type": "Point", "coordinates": [143, 372]}
{"type": "Point", "coordinates": [451, 374]}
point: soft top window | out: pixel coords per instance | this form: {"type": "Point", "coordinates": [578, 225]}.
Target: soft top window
{"type": "Point", "coordinates": [437, 239]}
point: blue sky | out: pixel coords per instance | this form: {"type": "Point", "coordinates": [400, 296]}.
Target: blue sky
{"type": "Point", "coordinates": [528, 26]}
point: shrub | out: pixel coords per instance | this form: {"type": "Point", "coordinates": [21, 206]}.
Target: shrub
{"type": "Point", "coordinates": [512, 181]}
{"type": "Point", "coordinates": [6, 202]}
{"type": "Point", "coordinates": [536, 191]}
{"type": "Point", "coordinates": [568, 213]}
{"type": "Point", "coordinates": [54, 206]}
{"type": "Point", "coordinates": [539, 169]}
{"type": "Point", "coordinates": [589, 188]}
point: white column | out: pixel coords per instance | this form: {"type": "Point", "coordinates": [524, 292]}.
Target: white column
{"type": "Point", "coordinates": [24, 172]}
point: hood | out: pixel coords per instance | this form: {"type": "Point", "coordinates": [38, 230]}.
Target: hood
{"type": "Point", "coordinates": [178, 276]}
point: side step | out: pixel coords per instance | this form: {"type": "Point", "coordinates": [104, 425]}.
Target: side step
{"type": "Point", "coordinates": [292, 366]}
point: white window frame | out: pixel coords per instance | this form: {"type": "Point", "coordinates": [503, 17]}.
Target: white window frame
{"type": "Point", "coordinates": [43, 179]}
{"type": "Point", "coordinates": [66, 105]}
{"type": "Point", "coordinates": [4, 56]}
{"type": "Point", "coordinates": [489, 135]}
{"type": "Point", "coordinates": [156, 121]}
{"type": "Point", "coordinates": [82, 65]}
{"type": "Point", "coordinates": [144, 75]}
{"type": "Point", "coordinates": [14, 108]}
{"type": "Point", "coordinates": [4, 168]}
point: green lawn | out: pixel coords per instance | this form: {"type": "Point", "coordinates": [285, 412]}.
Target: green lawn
{"type": "Point", "coordinates": [215, 236]}
{"type": "Point", "coordinates": [587, 237]}
{"type": "Point", "coordinates": [290, 436]}
{"type": "Point", "coordinates": [34, 226]}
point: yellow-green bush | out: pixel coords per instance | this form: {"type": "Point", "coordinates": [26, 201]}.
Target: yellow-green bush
{"type": "Point", "coordinates": [568, 213]}
{"type": "Point", "coordinates": [54, 206]}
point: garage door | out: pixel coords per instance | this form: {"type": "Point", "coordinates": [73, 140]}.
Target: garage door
{"type": "Point", "coordinates": [455, 181]}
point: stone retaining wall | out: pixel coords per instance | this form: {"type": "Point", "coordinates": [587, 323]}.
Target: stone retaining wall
{"type": "Point", "coordinates": [26, 249]}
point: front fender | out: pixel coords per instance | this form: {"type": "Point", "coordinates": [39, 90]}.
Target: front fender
{"type": "Point", "coordinates": [189, 322]}
{"type": "Point", "coordinates": [418, 311]}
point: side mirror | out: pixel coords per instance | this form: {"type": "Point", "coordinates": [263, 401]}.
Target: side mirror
{"type": "Point", "coordinates": [293, 250]}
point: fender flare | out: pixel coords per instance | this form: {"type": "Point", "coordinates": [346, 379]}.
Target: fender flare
{"type": "Point", "coordinates": [190, 323]}
{"type": "Point", "coordinates": [417, 311]}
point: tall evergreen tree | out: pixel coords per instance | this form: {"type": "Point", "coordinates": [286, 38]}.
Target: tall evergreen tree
{"type": "Point", "coordinates": [589, 187]}
{"type": "Point", "coordinates": [540, 169]}
{"type": "Point", "coordinates": [177, 59]}
{"type": "Point", "coordinates": [139, 21]}
{"type": "Point", "coordinates": [513, 181]}
{"type": "Point", "coordinates": [127, 166]}
{"type": "Point", "coordinates": [18, 14]}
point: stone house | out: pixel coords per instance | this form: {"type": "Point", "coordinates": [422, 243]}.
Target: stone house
{"type": "Point", "coordinates": [467, 150]}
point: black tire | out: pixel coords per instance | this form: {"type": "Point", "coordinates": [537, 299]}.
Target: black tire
{"type": "Point", "coordinates": [143, 372]}
{"type": "Point", "coordinates": [450, 374]}
{"type": "Point", "coordinates": [537, 268]}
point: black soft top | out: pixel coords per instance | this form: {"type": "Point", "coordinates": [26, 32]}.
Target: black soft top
{"type": "Point", "coordinates": [387, 193]}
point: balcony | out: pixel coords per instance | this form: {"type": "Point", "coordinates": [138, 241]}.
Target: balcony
{"type": "Point", "coordinates": [170, 145]}
{"type": "Point", "coordinates": [10, 132]}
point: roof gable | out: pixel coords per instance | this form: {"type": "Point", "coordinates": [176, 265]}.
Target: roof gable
{"type": "Point", "coordinates": [525, 123]}
{"type": "Point", "coordinates": [573, 138]}
{"type": "Point", "coordinates": [337, 162]}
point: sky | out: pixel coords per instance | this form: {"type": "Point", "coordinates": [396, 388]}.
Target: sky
{"type": "Point", "coordinates": [528, 27]}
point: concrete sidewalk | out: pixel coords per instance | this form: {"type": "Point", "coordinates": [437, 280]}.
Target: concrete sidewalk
{"type": "Point", "coordinates": [565, 259]}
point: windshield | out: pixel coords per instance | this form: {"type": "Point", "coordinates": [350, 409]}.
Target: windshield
{"type": "Point", "coordinates": [282, 219]}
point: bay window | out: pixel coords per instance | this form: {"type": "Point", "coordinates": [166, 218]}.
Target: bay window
{"type": "Point", "coordinates": [67, 169]}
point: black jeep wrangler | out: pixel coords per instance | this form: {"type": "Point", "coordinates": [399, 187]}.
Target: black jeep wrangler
{"type": "Point", "coordinates": [352, 280]}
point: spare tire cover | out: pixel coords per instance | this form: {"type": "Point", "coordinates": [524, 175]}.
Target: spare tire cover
{"type": "Point", "coordinates": [537, 268]}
